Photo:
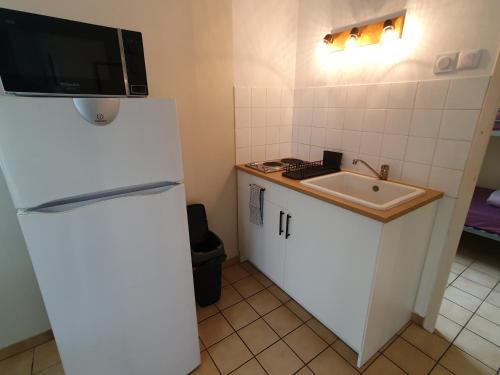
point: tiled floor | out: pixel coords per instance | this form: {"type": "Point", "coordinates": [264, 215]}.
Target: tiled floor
{"type": "Point", "coordinates": [256, 329]}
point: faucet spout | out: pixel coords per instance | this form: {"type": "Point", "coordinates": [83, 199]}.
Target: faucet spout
{"type": "Point", "coordinates": [384, 169]}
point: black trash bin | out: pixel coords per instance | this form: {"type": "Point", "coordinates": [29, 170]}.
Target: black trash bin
{"type": "Point", "coordinates": [207, 256]}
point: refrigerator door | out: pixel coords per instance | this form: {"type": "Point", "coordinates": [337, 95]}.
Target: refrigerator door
{"type": "Point", "coordinates": [116, 280]}
{"type": "Point", "coordinates": [48, 151]}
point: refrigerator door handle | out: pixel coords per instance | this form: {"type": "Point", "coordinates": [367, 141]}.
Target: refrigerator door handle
{"type": "Point", "coordinates": [70, 204]}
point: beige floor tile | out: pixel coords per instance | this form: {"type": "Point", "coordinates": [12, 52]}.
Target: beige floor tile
{"type": "Point", "coordinates": [214, 329]}
{"type": "Point", "coordinates": [279, 359]}
{"type": "Point", "coordinates": [240, 315]}
{"type": "Point", "coordinates": [408, 357]}
{"type": "Point", "coordinates": [263, 302]}
{"type": "Point", "coordinates": [229, 354]}
{"type": "Point", "coordinates": [322, 331]}
{"type": "Point", "coordinates": [447, 328]}
{"type": "Point", "coordinates": [258, 336]}
{"type": "Point", "coordinates": [282, 320]}
{"type": "Point", "coordinates": [455, 312]}
{"type": "Point", "coordinates": [458, 267]}
{"type": "Point", "coordinates": [462, 298]}
{"type": "Point", "coordinates": [490, 312]}
{"type": "Point", "coordinates": [484, 328]}
{"type": "Point", "coordinates": [298, 310]}
{"type": "Point", "coordinates": [494, 298]}
{"type": "Point", "coordinates": [440, 370]}
{"type": "Point", "coordinates": [479, 277]}
{"type": "Point", "coordinates": [249, 267]}
{"type": "Point", "coordinates": [478, 290]}
{"type": "Point", "coordinates": [279, 294]}
{"type": "Point", "coordinates": [19, 364]}
{"type": "Point", "coordinates": [248, 286]}
{"type": "Point", "coordinates": [329, 362]}
{"type": "Point", "coordinates": [53, 370]}
{"type": "Point", "coordinates": [229, 297]}
{"type": "Point", "coordinates": [388, 343]}
{"type": "Point", "coordinates": [461, 363]}
{"type": "Point", "coordinates": [487, 268]}
{"type": "Point", "coordinates": [201, 345]}
{"type": "Point", "coordinates": [261, 278]}
{"type": "Point", "coordinates": [464, 259]}
{"type": "Point", "coordinates": [346, 352]}
{"type": "Point", "coordinates": [224, 283]}
{"type": "Point", "coordinates": [252, 367]}
{"type": "Point", "coordinates": [205, 312]}
{"type": "Point", "coordinates": [234, 273]}
{"type": "Point", "coordinates": [451, 277]}
{"type": "Point", "coordinates": [207, 366]}
{"type": "Point", "coordinates": [305, 343]}
{"type": "Point", "coordinates": [431, 344]}
{"type": "Point", "coordinates": [383, 366]}
{"type": "Point", "coordinates": [479, 348]}
{"type": "Point", "coordinates": [304, 371]}
{"type": "Point", "coordinates": [46, 355]}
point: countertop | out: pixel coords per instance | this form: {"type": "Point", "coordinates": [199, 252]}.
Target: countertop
{"type": "Point", "coordinates": [383, 216]}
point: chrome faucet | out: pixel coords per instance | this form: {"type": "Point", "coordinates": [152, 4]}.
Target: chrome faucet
{"type": "Point", "coordinates": [384, 169]}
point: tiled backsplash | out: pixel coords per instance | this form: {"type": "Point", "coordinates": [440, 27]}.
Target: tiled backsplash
{"type": "Point", "coordinates": [423, 130]}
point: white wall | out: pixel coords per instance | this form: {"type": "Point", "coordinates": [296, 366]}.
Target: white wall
{"type": "Point", "coordinates": [22, 313]}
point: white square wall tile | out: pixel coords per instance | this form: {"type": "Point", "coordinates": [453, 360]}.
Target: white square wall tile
{"type": "Point", "coordinates": [295, 150]}
{"type": "Point", "coordinates": [295, 134]}
{"type": "Point", "coordinates": [319, 117]}
{"type": "Point", "coordinates": [347, 158]}
{"type": "Point", "coordinates": [316, 153]}
{"type": "Point", "coordinates": [334, 139]}
{"type": "Point", "coordinates": [395, 167]}
{"type": "Point", "coordinates": [426, 122]}
{"type": "Point", "coordinates": [304, 135]}
{"type": "Point", "coordinates": [302, 116]}
{"type": "Point", "coordinates": [394, 146]}
{"type": "Point", "coordinates": [303, 151]}
{"type": "Point", "coordinates": [374, 120]}
{"type": "Point", "coordinates": [451, 154]}
{"type": "Point", "coordinates": [373, 161]}
{"type": "Point", "coordinates": [337, 96]}
{"type": "Point", "coordinates": [335, 118]}
{"type": "Point", "coordinates": [445, 180]}
{"type": "Point", "coordinates": [273, 97]}
{"type": "Point", "coordinates": [258, 117]}
{"type": "Point", "coordinates": [304, 98]}
{"type": "Point", "coordinates": [258, 153]}
{"type": "Point", "coordinates": [415, 173]}
{"type": "Point", "coordinates": [287, 116]}
{"type": "Point", "coordinates": [420, 150]}
{"type": "Point", "coordinates": [398, 121]}
{"type": "Point", "coordinates": [242, 97]}
{"type": "Point", "coordinates": [243, 137]}
{"type": "Point", "coordinates": [431, 94]}
{"type": "Point", "coordinates": [351, 140]}
{"type": "Point", "coordinates": [353, 119]}
{"type": "Point", "coordinates": [459, 124]}
{"type": "Point", "coordinates": [273, 116]}
{"type": "Point", "coordinates": [287, 97]}
{"type": "Point", "coordinates": [258, 97]}
{"type": "Point", "coordinates": [242, 117]}
{"type": "Point", "coordinates": [321, 97]}
{"type": "Point", "coordinates": [402, 95]}
{"type": "Point", "coordinates": [272, 135]}
{"type": "Point", "coordinates": [467, 93]}
{"type": "Point", "coordinates": [378, 96]}
{"type": "Point", "coordinates": [371, 143]}
{"type": "Point", "coordinates": [318, 137]}
{"type": "Point", "coordinates": [272, 151]}
{"type": "Point", "coordinates": [285, 134]}
{"type": "Point", "coordinates": [243, 155]}
{"type": "Point", "coordinates": [258, 136]}
{"type": "Point", "coordinates": [356, 96]}
{"type": "Point", "coordinates": [285, 150]}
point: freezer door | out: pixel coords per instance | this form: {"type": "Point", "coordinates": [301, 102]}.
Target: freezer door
{"type": "Point", "coordinates": [48, 151]}
{"type": "Point", "coordinates": [116, 280]}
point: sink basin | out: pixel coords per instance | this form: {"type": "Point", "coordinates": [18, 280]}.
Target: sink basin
{"type": "Point", "coordinates": [364, 190]}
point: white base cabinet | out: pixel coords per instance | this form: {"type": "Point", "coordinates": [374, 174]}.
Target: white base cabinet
{"type": "Point", "coordinates": [356, 275]}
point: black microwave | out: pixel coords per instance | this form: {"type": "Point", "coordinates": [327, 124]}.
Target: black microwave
{"type": "Point", "coordinates": [50, 56]}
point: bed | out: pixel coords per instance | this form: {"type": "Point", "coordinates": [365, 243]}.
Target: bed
{"type": "Point", "coordinates": [483, 219]}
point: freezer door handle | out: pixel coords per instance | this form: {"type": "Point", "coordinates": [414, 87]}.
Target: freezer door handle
{"type": "Point", "coordinates": [70, 204]}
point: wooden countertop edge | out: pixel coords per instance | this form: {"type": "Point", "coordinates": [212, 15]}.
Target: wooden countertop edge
{"type": "Point", "coordinates": [383, 216]}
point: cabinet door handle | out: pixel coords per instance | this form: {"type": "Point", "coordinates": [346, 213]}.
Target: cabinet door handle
{"type": "Point", "coordinates": [280, 231]}
{"type": "Point", "coordinates": [287, 234]}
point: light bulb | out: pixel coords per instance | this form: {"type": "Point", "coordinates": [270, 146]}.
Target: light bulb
{"type": "Point", "coordinates": [352, 40]}
{"type": "Point", "coordinates": [388, 33]}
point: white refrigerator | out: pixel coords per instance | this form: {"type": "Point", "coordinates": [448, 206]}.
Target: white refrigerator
{"type": "Point", "coordinates": [103, 213]}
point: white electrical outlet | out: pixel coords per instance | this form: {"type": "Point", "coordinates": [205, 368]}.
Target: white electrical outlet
{"type": "Point", "coordinates": [445, 63]}
{"type": "Point", "coordinates": [469, 59]}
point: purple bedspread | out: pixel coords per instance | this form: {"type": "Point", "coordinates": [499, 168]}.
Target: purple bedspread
{"type": "Point", "coordinates": [481, 215]}
{"type": "Point", "coordinates": [497, 125]}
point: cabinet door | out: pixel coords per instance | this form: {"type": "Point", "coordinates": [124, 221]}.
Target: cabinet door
{"type": "Point", "coordinates": [330, 258]}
